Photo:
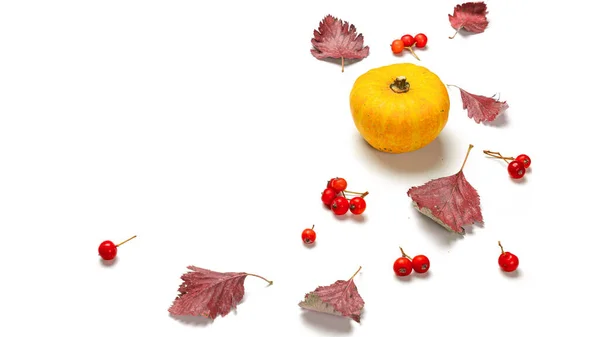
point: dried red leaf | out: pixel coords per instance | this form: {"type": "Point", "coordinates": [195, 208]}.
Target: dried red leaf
{"type": "Point", "coordinates": [208, 293]}
{"type": "Point", "coordinates": [338, 39]}
{"type": "Point", "coordinates": [470, 16]}
{"type": "Point", "coordinates": [340, 298]}
{"type": "Point", "coordinates": [481, 108]}
{"type": "Point", "coordinates": [450, 201]}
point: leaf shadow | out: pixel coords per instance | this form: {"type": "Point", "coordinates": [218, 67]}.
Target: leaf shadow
{"type": "Point", "coordinates": [426, 158]}
{"type": "Point", "coordinates": [327, 323]}
{"type": "Point", "coordinates": [434, 230]}
{"type": "Point", "coordinates": [192, 320]}
{"type": "Point", "coordinates": [109, 263]}
{"type": "Point", "coordinates": [514, 274]}
{"type": "Point", "coordinates": [464, 33]}
{"type": "Point", "coordinates": [347, 62]}
{"type": "Point", "coordinates": [500, 121]}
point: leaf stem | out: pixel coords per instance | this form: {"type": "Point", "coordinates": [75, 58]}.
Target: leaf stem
{"type": "Point", "coordinates": [131, 238]}
{"type": "Point", "coordinates": [501, 248]}
{"type": "Point", "coordinates": [498, 155]}
{"type": "Point", "coordinates": [342, 64]}
{"type": "Point", "coordinates": [260, 277]}
{"type": "Point", "coordinates": [467, 156]}
{"type": "Point", "coordinates": [359, 268]}
{"type": "Point", "coordinates": [404, 254]}
{"type": "Point", "coordinates": [456, 32]}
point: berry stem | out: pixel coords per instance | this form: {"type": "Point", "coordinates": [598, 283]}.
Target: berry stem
{"type": "Point", "coordinates": [456, 32]}
{"type": "Point", "coordinates": [501, 248]}
{"type": "Point", "coordinates": [413, 53]}
{"type": "Point", "coordinates": [359, 268]}
{"type": "Point", "coordinates": [404, 254]}
{"type": "Point", "coordinates": [467, 156]}
{"type": "Point", "coordinates": [131, 238]}
{"type": "Point", "coordinates": [344, 194]}
{"type": "Point", "coordinates": [364, 194]}
{"type": "Point", "coordinates": [260, 277]}
{"type": "Point", "coordinates": [498, 155]}
{"type": "Point", "coordinates": [400, 85]}
{"type": "Point", "coordinates": [313, 227]}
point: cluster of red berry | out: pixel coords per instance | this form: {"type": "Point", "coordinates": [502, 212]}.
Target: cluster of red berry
{"type": "Point", "coordinates": [404, 265]}
{"type": "Point", "coordinates": [407, 41]}
{"type": "Point", "coordinates": [516, 166]}
{"type": "Point", "coordinates": [334, 197]}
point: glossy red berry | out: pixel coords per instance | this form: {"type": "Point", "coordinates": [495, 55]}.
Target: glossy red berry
{"type": "Point", "coordinates": [420, 40]}
{"type": "Point", "coordinates": [408, 40]}
{"type": "Point", "coordinates": [516, 169]}
{"type": "Point", "coordinates": [523, 158]}
{"type": "Point", "coordinates": [357, 205]}
{"type": "Point", "coordinates": [420, 264]}
{"type": "Point", "coordinates": [328, 195]}
{"type": "Point", "coordinates": [508, 261]}
{"type": "Point", "coordinates": [329, 182]}
{"type": "Point", "coordinates": [309, 236]}
{"type": "Point", "coordinates": [340, 206]}
{"type": "Point", "coordinates": [339, 184]}
{"type": "Point", "coordinates": [397, 46]}
{"type": "Point", "coordinates": [403, 266]}
{"type": "Point", "coordinates": [107, 250]}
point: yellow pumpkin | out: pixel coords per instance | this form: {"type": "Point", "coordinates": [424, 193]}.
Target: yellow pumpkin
{"type": "Point", "coordinates": [400, 107]}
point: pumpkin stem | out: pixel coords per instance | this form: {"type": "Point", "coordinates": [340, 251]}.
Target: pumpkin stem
{"type": "Point", "coordinates": [400, 85]}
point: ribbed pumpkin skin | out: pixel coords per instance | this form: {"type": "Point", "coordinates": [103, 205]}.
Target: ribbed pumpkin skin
{"type": "Point", "coordinates": [399, 122]}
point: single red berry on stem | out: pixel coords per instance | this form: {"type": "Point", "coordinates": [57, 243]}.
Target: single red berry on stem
{"type": "Point", "coordinates": [328, 195]}
{"type": "Point", "coordinates": [508, 261]}
{"type": "Point", "coordinates": [420, 40]}
{"type": "Point", "coordinates": [408, 40]}
{"type": "Point", "coordinates": [420, 264]}
{"type": "Point", "coordinates": [523, 158]}
{"type": "Point", "coordinates": [339, 184]}
{"type": "Point", "coordinates": [403, 266]}
{"type": "Point", "coordinates": [357, 205]}
{"type": "Point", "coordinates": [309, 236]}
{"type": "Point", "coordinates": [516, 169]}
{"type": "Point", "coordinates": [397, 46]}
{"type": "Point", "coordinates": [340, 206]}
{"type": "Point", "coordinates": [108, 250]}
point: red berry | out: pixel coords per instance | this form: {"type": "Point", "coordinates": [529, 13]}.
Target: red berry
{"type": "Point", "coordinates": [508, 261]}
{"type": "Point", "coordinates": [328, 195]}
{"type": "Point", "coordinates": [516, 169]}
{"type": "Point", "coordinates": [309, 236]}
{"type": "Point", "coordinates": [107, 250]}
{"type": "Point", "coordinates": [420, 40]}
{"type": "Point", "coordinates": [403, 266]}
{"type": "Point", "coordinates": [357, 205]}
{"type": "Point", "coordinates": [523, 158]}
{"type": "Point", "coordinates": [397, 46]}
{"type": "Point", "coordinates": [340, 206]}
{"type": "Point", "coordinates": [408, 40]}
{"type": "Point", "coordinates": [420, 264]}
{"type": "Point", "coordinates": [329, 182]}
{"type": "Point", "coordinates": [339, 184]}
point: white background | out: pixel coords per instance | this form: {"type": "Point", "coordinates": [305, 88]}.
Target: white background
{"type": "Point", "coordinates": [209, 131]}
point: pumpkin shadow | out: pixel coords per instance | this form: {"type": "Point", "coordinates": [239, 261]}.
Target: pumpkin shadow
{"type": "Point", "coordinates": [426, 158]}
